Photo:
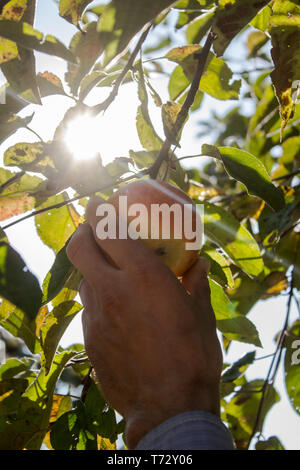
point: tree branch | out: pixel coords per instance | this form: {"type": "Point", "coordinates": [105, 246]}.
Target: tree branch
{"type": "Point", "coordinates": [11, 181]}
{"type": "Point", "coordinates": [105, 104]}
{"type": "Point", "coordinates": [74, 199]}
{"type": "Point", "coordinates": [182, 115]}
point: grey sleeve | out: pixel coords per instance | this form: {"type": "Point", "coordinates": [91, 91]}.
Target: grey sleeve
{"type": "Point", "coordinates": [192, 430]}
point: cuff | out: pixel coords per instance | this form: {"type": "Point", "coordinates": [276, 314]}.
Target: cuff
{"type": "Point", "coordinates": [193, 430]}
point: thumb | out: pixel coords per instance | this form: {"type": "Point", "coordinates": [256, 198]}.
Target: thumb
{"type": "Point", "coordinates": [195, 279]}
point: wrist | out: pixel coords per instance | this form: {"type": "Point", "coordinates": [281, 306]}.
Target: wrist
{"type": "Point", "coordinates": [139, 423]}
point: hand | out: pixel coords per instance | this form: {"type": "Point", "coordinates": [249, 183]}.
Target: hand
{"type": "Point", "coordinates": [150, 338]}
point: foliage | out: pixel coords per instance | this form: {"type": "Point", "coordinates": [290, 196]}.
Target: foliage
{"type": "Point", "coordinates": [251, 196]}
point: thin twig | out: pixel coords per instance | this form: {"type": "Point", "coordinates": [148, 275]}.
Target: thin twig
{"type": "Point", "coordinates": [105, 104]}
{"type": "Point", "coordinates": [182, 115]}
{"type": "Point", "coordinates": [76, 198]}
{"type": "Point", "coordinates": [269, 380]}
{"type": "Point", "coordinates": [35, 133]}
{"type": "Point", "coordinates": [244, 193]}
{"type": "Point", "coordinates": [288, 175]}
{"type": "Point", "coordinates": [12, 180]}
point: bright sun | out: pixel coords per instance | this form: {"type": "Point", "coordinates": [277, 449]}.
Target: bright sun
{"type": "Point", "coordinates": [83, 137]}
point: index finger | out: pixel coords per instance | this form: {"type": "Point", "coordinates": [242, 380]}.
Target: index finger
{"type": "Point", "coordinates": [123, 250]}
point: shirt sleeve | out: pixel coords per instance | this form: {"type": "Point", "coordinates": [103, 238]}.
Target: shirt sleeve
{"type": "Point", "coordinates": [192, 430]}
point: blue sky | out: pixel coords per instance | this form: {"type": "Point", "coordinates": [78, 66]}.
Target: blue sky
{"type": "Point", "coordinates": [117, 135]}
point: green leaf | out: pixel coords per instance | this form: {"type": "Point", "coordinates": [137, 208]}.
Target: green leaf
{"type": "Point", "coordinates": [249, 170]}
{"type": "Point", "coordinates": [10, 124]}
{"type": "Point", "coordinates": [86, 45]}
{"type": "Point", "coordinates": [70, 289]}
{"type": "Point", "coordinates": [13, 367]}
{"type": "Point", "coordinates": [178, 83]}
{"type": "Point", "coordinates": [72, 10]}
{"type": "Point", "coordinates": [238, 368]}
{"type": "Point", "coordinates": [17, 192]}
{"type": "Point", "coordinates": [54, 326]}
{"type": "Point", "coordinates": [10, 394]}
{"type": "Point", "coordinates": [219, 266]}
{"type": "Point", "coordinates": [17, 284]}
{"type": "Point", "coordinates": [285, 35]}
{"type": "Point", "coordinates": [58, 275]}
{"type": "Point", "coordinates": [230, 18]}
{"type": "Point", "coordinates": [122, 20]}
{"type": "Point", "coordinates": [217, 75]}
{"type": "Point", "coordinates": [241, 411]}
{"type": "Point", "coordinates": [224, 230]}
{"type": "Point", "coordinates": [57, 225]}
{"type": "Point", "coordinates": [72, 431]}
{"type": "Point", "coordinates": [261, 20]}
{"type": "Point", "coordinates": [8, 50]}
{"type": "Point", "coordinates": [64, 431]}
{"type": "Point", "coordinates": [273, 443]}
{"type": "Point", "coordinates": [37, 400]}
{"type": "Point", "coordinates": [13, 10]}
{"type": "Point", "coordinates": [29, 38]}
{"type": "Point", "coordinates": [35, 157]}
{"type": "Point", "coordinates": [89, 82]}
{"type": "Point", "coordinates": [199, 27]}
{"type": "Point", "coordinates": [245, 293]}
{"type": "Point", "coordinates": [233, 325]}
{"type": "Point", "coordinates": [291, 365]}
{"type": "Point", "coordinates": [17, 323]}
{"type": "Point", "coordinates": [170, 111]}
{"type": "Point", "coordinates": [21, 71]}
{"type": "Point", "coordinates": [49, 84]}
{"type": "Point", "coordinates": [256, 40]}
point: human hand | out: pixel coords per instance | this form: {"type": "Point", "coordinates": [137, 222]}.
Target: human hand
{"type": "Point", "coordinates": [150, 338]}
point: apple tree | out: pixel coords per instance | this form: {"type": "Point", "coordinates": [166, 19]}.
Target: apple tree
{"type": "Point", "coordinates": [248, 185]}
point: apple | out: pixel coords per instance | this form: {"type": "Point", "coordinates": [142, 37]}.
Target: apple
{"type": "Point", "coordinates": [165, 231]}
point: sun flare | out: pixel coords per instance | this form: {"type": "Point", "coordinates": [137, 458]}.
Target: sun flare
{"type": "Point", "coordinates": [83, 137]}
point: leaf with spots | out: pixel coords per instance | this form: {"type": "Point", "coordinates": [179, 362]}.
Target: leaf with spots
{"type": "Point", "coordinates": [284, 29]}
{"type": "Point", "coordinates": [230, 18]}
{"type": "Point", "coordinates": [20, 72]}
{"type": "Point", "coordinates": [216, 79]}
{"type": "Point", "coordinates": [35, 157]}
{"type": "Point", "coordinates": [241, 411]}
{"type": "Point", "coordinates": [49, 84]}
{"type": "Point", "coordinates": [170, 111]}
{"type": "Point", "coordinates": [72, 10]}
{"type": "Point", "coordinates": [10, 123]}
{"type": "Point", "coordinates": [17, 192]}
{"type": "Point", "coordinates": [29, 38]}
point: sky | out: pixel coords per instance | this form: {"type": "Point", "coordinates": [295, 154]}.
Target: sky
{"type": "Point", "coordinates": [117, 134]}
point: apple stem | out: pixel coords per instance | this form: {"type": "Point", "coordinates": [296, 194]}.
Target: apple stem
{"type": "Point", "coordinates": [201, 58]}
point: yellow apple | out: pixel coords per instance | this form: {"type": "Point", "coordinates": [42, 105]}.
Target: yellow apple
{"type": "Point", "coordinates": [165, 204]}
